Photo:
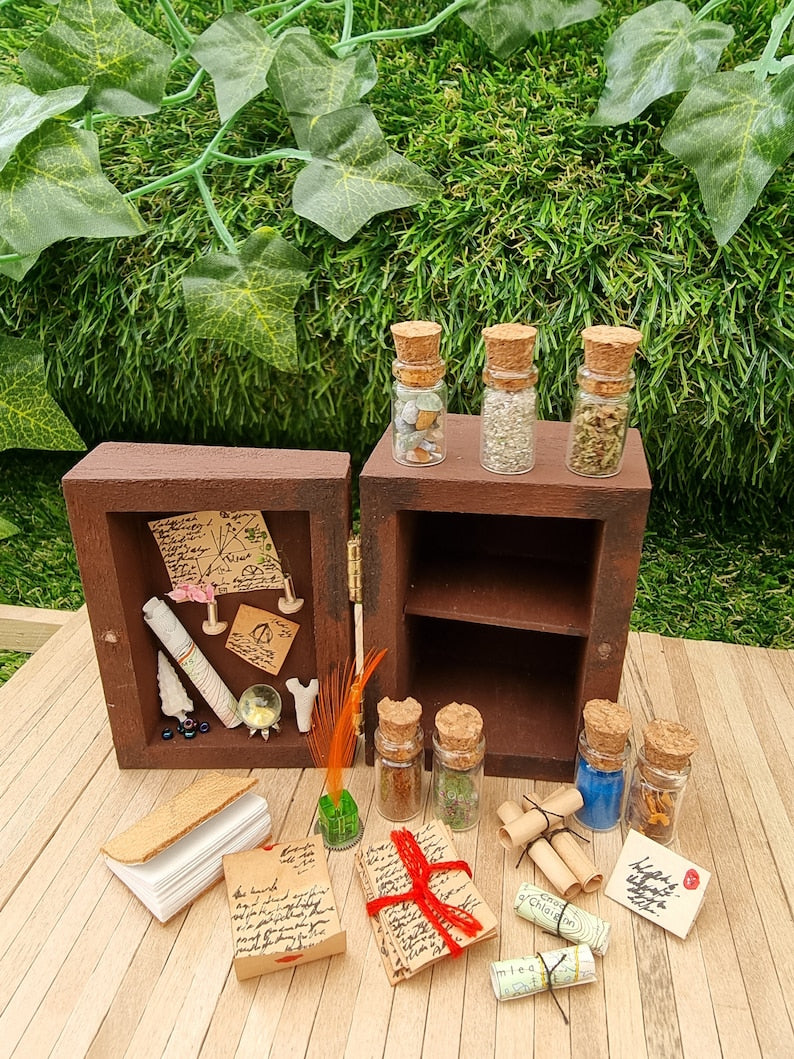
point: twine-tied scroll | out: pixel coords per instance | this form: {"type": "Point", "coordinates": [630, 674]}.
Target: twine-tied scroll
{"type": "Point", "coordinates": [436, 911]}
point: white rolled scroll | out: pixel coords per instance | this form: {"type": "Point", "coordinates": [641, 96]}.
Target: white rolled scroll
{"type": "Point", "coordinates": [559, 917]}
{"type": "Point", "coordinates": [558, 969]}
{"type": "Point", "coordinates": [173, 635]}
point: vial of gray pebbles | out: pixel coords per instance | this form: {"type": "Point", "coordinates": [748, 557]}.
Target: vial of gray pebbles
{"type": "Point", "coordinates": [509, 403]}
{"type": "Point", "coordinates": [419, 394]}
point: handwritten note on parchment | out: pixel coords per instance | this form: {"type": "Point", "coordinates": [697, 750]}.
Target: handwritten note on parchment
{"type": "Point", "coordinates": [658, 884]}
{"type": "Point", "coordinates": [407, 940]}
{"type": "Point", "coordinates": [282, 907]}
{"type": "Point", "coordinates": [232, 550]}
{"type": "Point", "coordinates": [261, 638]}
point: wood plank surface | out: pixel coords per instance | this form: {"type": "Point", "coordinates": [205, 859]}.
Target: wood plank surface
{"type": "Point", "coordinates": [26, 629]}
{"type": "Point", "coordinates": [86, 971]}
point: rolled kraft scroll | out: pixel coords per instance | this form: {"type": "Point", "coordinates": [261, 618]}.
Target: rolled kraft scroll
{"type": "Point", "coordinates": [588, 875]}
{"type": "Point", "coordinates": [554, 868]}
{"type": "Point", "coordinates": [561, 918]}
{"type": "Point", "coordinates": [529, 825]}
{"type": "Point", "coordinates": [173, 635]}
{"type": "Point", "coordinates": [557, 969]}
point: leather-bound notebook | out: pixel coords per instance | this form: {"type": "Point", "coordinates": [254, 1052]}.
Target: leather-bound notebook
{"type": "Point", "coordinates": [175, 853]}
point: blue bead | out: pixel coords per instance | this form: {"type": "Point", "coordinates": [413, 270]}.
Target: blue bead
{"type": "Point", "coordinates": [190, 733]}
{"type": "Point", "coordinates": [204, 726]}
{"type": "Point", "coordinates": [168, 733]}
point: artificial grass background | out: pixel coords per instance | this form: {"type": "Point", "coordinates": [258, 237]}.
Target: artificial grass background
{"type": "Point", "coordinates": [541, 218]}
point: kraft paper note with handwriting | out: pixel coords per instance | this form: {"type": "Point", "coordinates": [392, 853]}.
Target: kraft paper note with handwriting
{"type": "Point", "coordinates": [231, 550]}
{"type": "Point", "coordinates": [282, 907]}
{"type": "Point", "coordinates": [658, 884]}
{"type": "Point", "coordinates": [261, 638]}
{"type": "Point", "coordinates": [407, 939]}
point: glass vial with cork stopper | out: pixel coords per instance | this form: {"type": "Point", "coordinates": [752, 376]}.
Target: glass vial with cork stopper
{"type": "Point", "coordinates": [659, 779]}
{"type": "Point", "coordinates": [399, 759]}
{"type": "Point", "coordinates": [602, 764]}
{"type": "Point", "coordinates": [419, 394]}
{"type": "Point", "coordinates": [458, 758]}
{"type": "Point", "coordinates": [602, 405]}
{"type": "Point", "coordinates": [508, 414]}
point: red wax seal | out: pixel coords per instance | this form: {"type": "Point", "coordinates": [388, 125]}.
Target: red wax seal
{"type": "Point", "coordinates": [691, 880]}
{"type": "Point", "coordinates": [289, 959]}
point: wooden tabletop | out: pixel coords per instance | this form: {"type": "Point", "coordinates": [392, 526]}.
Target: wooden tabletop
{"type": "Point", "coordinates": [85, 970]}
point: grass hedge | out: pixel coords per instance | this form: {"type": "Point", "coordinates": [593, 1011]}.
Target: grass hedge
{"type": "Point", "coordinates": [541, 219]}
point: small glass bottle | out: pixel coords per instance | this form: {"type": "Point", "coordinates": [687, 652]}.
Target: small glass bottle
{"type": "Point", "coordinates": [660, 776]}
{"type": "Point", "coordinates": [602, 405]}
{"type": "Point", "coordinates": [508, 414]}
{"type": "Point", "coordinates": [419, 394]}
{"type": "Point", "coordinates": [602, 764]}
{"type": "Point", "coordinates": [399, 759]}
{"type": "Point", "coordinates": [458, 760]}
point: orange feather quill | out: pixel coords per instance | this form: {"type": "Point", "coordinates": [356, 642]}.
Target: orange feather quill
{"type": "Point", "coordinates": [332, 739]}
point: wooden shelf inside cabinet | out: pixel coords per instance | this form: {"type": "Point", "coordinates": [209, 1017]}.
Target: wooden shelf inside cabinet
{"type": "Point", "coordinates": [546, 596]}
{"type": "Point", "coordinates": [512, 593]}
{"type": "Point", "coordinates": [113, 494]}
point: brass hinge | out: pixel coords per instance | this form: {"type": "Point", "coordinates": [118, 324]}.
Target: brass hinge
{"type": "Point", "coordinates": [354, 568]}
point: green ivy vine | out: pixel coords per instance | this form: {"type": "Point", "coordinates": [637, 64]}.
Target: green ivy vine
{"type": "Point", "coordinates": [93, 61]}
{"type": "Point", "coordinates": [733, 127]}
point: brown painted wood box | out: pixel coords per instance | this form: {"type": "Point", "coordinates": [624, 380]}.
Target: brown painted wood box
{"type": "Point", "coordinates": [512, 593]}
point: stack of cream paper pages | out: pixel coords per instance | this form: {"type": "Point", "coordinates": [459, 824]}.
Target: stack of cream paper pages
{"type": "Point", "coordinates": [175, 853]}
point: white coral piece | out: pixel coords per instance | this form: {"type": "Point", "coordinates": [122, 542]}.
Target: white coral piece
{"type": "Point", "coordinates": [174, 701]}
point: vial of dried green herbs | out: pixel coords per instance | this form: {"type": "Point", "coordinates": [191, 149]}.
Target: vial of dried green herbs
{"type": "Point", "coordinates": [419, 394]}
{"type": "Point", "coordinates": [659, 779]}
{"type": "Point", "coordinates": [508, 413]}
{"type": "Point", "coordinates": [458, 760]}
{"type": "Point", "coordinates": [602, 405]}
{"type": "Point", "coordinates": [399, 759]}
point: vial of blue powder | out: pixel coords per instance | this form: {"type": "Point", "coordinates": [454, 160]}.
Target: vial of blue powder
{"type": "Point", "coordinates": [602, 764]}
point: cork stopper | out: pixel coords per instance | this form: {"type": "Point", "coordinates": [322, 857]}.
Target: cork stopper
{"type": "Point", "coordinates": [398, 718]}
{"type": "Point", "coordinates": [668, 745]}
{"type": "Point", "coordinates": [459, 726]}
{"type": "Point", "coordinates": [608, 350]}
{"type": "Point", "coordinates": [417, 343]}
{"type": "Point", "coordinates": [509, 349]}
{"type": "Point", "coordinates": [607, 725]}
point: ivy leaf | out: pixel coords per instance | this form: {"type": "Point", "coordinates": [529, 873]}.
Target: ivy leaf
{"type": "Point", "coordinates": [53, 188]}
{"type": "Point", "coordinates": [354, 174]}
{"type": "Point", "coordinates": [236, 52]}
{"type": "Point", "coordinates": [309, 80]}
{"type": "Point", "coordinates": [734, 131]}
{"type": "Point", "coordinates": [661, 49]}
{"type": "Point", "coordinates": [93, 42]}
{"type": "Point", "coordinates": [507, 25]}
{"type": "Point", "coordinates": [16, 269]}
{"type": "Point", "coordinates": [7, 529]}
{"type": "Point", "coordinates": [29, 418]}
{"type": "Point", "coordinates": [22, 112]}
{"type": "Point", "coordinates": [249, 297]}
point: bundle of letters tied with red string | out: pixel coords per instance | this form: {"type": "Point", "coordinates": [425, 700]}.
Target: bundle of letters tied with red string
{"type": "Point", "coordinates": [422, 902]}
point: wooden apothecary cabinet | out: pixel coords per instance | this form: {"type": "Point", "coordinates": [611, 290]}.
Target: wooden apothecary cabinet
{"type": "Point", "coordinates": [512, 593]}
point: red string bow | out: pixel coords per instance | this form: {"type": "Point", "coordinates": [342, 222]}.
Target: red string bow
{"type": "Point", "coordinates": [436, 912]}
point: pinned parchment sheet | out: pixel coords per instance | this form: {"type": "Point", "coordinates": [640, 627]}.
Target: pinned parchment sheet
{"type": "Point", "coordinates": [261, 638]}
{"type": "Point", "coordinates": [231, 550]}
{"type": "Point", "coordinates": [658, 884]}
{"type": "Point", "coordinates": [175, 853]}
{"type": "Point", "coordinates": [407, 939]}
{"type": "Point", "coordinates": [282, 907]}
